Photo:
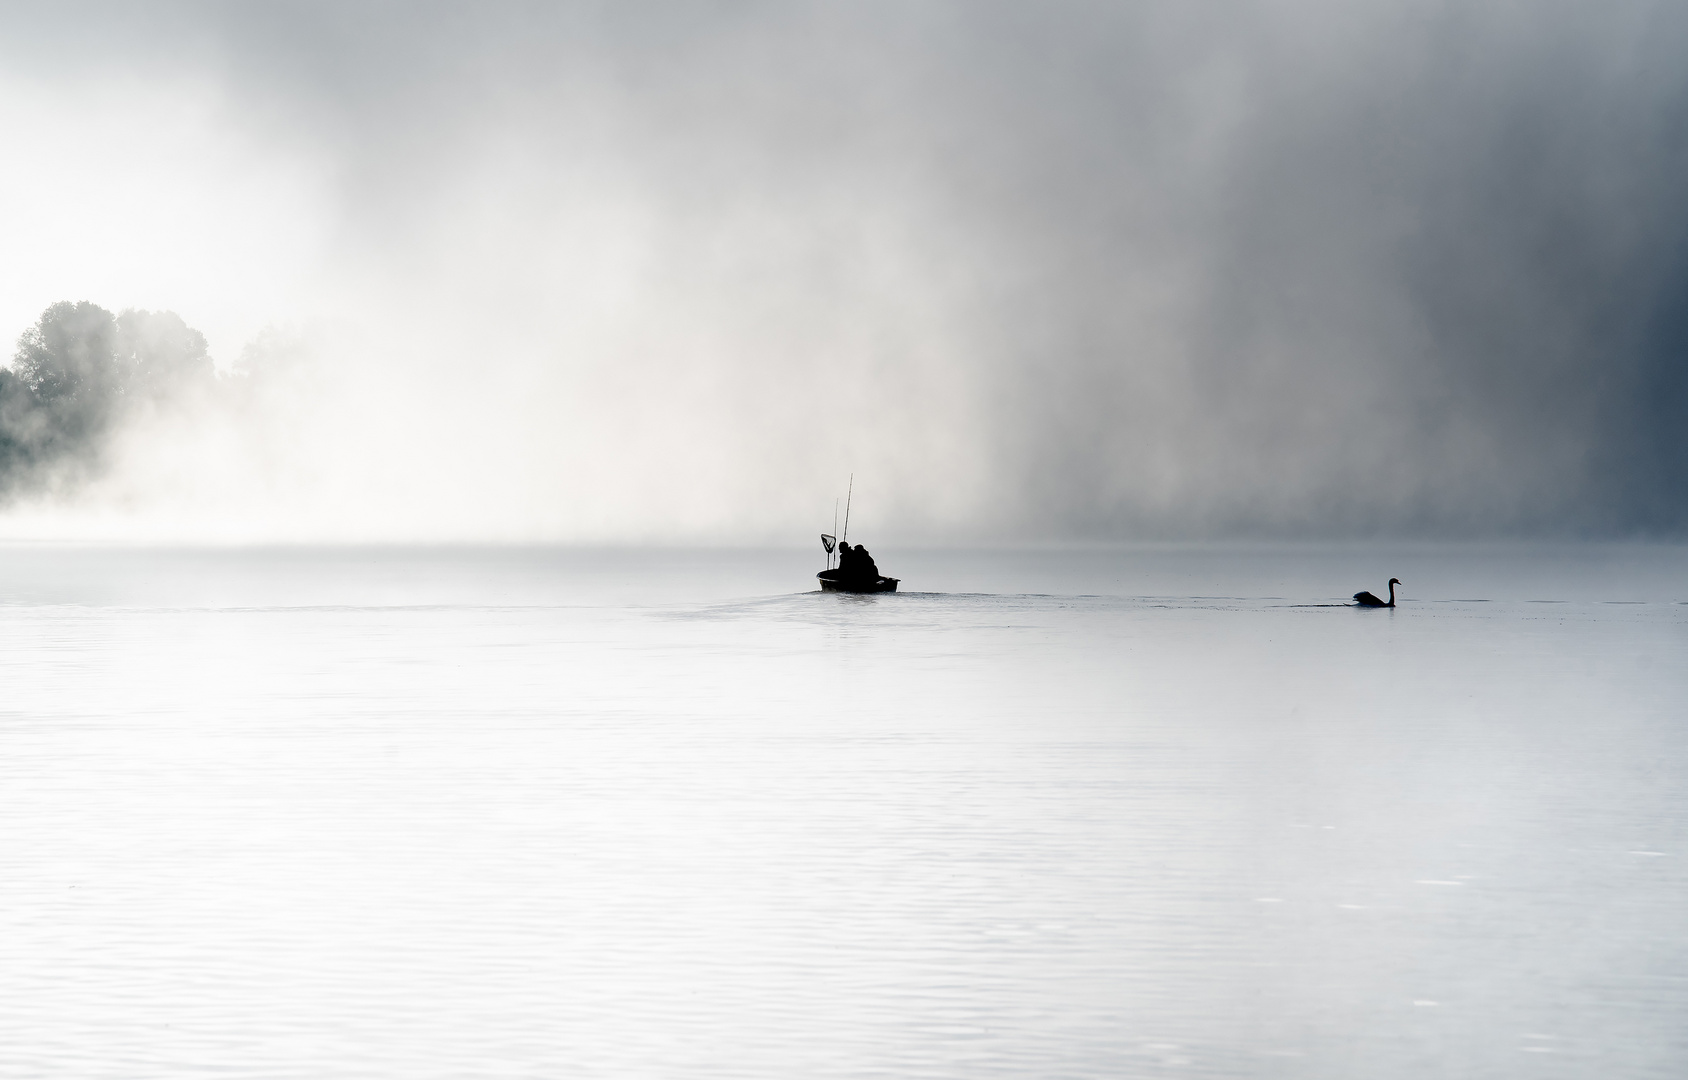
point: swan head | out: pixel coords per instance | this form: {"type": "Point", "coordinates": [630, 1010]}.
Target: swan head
{"type": "Point", "coordinates": [1394, 581]}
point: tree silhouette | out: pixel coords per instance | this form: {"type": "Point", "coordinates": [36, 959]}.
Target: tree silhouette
{"type": "Point", "coordinates": [159, 355]}
{"type": "Point", "coordinates": [70, 354]}
{"type": "Point", "coordinates": [77, 369]}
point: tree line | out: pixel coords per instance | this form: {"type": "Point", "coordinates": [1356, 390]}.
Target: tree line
{"type": "Point", "coordinates": [78, 370]}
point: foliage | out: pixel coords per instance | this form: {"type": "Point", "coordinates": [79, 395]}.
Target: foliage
{"type": "Point", "coordinates": [159, 354]}
{"type": "Point", "coordinates": [78, 370]}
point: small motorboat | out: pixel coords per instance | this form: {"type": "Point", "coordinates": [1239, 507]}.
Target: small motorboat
{"type": "Point", "coordinates": [833, 581]}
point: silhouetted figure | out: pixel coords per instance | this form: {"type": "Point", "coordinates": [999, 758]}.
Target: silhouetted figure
{"type": "Point", "coordinates": [1366, 599]}
{"type": "Point", "coordinates": [855, 564]}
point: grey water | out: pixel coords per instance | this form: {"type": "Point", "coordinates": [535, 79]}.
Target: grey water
{"type": "Point", "coordinates": [1142, 812]}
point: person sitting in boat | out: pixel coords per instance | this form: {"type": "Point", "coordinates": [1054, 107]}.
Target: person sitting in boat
{"type": "Point", "coordinates": [855, 564]}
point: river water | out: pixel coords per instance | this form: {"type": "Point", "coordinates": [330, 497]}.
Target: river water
{"type": "Point", "coordinates": [1153, 812]}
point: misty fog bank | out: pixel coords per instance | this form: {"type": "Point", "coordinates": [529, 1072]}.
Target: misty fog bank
{"type": "Point", "coordinates": [1089, 271]}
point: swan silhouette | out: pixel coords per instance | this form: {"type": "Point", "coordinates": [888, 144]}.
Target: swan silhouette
{"type": "Point", "coordinates": [1366, 599]}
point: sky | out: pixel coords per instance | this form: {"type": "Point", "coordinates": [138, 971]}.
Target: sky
{"type": "Point", "coordinates": [1069, 272]}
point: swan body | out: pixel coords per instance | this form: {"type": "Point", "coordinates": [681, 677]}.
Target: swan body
{"type": "Point", "coordinates": [1366, 599]}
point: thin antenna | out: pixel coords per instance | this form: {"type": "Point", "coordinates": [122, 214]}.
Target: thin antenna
{"type": "Point", "coordinates": [834, 530]}
{"type": "Point", "coordinates": [847, 495]}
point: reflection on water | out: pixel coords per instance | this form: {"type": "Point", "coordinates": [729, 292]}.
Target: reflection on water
{"type": "Point", "coordinates": [1091, 814]}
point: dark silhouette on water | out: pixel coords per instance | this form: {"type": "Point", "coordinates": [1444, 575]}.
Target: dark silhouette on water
{"type": "Point", "coordinates": [1366, 599]}
{"type": "Point", "coordinates": [856, 572]}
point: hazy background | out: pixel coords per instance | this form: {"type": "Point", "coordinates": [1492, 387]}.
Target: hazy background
{"type": "Point", "coordinates": [1057, 272]}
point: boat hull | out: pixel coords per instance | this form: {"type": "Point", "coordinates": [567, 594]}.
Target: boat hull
{"type": "Point", "coordinates": [860, 585]}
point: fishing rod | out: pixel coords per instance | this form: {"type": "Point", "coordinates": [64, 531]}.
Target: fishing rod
{"type": "Point", "coordinates": [847, 495]}
{"type": "Point", "coordinates": [834, 532]}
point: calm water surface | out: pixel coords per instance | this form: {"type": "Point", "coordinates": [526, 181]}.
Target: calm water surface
{"type": "Point", "coordinates": [1157, 812]}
